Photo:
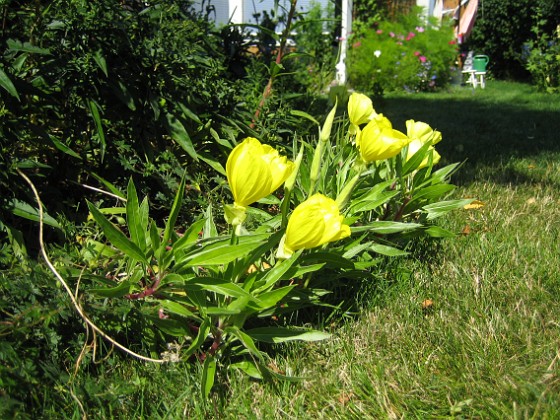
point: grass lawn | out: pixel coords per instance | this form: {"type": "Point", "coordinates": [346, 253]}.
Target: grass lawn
{"type": "Point", "coordinates": [471, 329]}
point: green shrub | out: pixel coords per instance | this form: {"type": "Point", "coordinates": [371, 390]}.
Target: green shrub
{"type": "Point", "coordinates": [405, 55]}
{"type": "Point", "coordinates": [543, 58]}
{"type": "Point", "coordinates": [99, 91]}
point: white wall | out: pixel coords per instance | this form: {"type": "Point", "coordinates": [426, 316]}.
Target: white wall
{"type": "Point", "coordinates": [243, 13]}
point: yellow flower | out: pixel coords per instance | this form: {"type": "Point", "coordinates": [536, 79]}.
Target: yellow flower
{"type": "Point", "coordinates": [421, 133]}
{"type": "Point", "coordinates": [255, 170]}
{"type": "Point", "coordinates": [313, 223]}
{"type": "Point", "coordinates": [360, 111]}
{"type": "Point", "coordinates": [379, 141]}
{"type": "Point", "coordinates": [415, 145]}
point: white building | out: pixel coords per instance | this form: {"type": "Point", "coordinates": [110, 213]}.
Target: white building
{"type": "Point", "coordinates": [243, 11]}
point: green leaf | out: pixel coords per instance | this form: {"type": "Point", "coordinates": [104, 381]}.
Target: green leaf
{"type": "Point", "coordinates": [436, 210]}
{"type": "Point", "coordinates": [7, 84]}
{"type": "Point", "coordinates": [189, 114]}
{"type": "Point", "coordinates": [208, 375]}
{"type": "Point", "coordinates": [270, 299]}
{"type": "Point", "coordinates": [134, 219]}
{"type": "Point", "coordinates": [416, 159]}
{"type": "Point", "coordinates": [387, 250]}
{"type": "Point", "coordinates": [432, 192]}
{"type": "Point", "coordinates": [14, 45]}
{"type": "Point", "coordinates": [302, 114]}
{"type": "Point", "coordinates": [27, 211]}
{"type": "Point", "coordinates": [63, 148]}
{"type": "Point", "coordinates": [386, 227]}
{"type": "Point", "coordinates": [154, 237]}
{"type": "Point", "coordinates": [170, 224]}
{"type": "Point", "coordinates": [178, 133]}
{"type": "Point", "coordinates": [220, 286]}
{"type": "Point", "coordinates": [276, 273]}
{"type": "Point", "coordinates": [439, 232]}
{"type": "Point", "coordinates": [209, 230]}
{"type": "Point", "coordinates": [248, 367]}
{"type": "Point", "coordinates": [220, 311]}
{"type": "Point", "coordinates": [222, 254]}
{"type": "Point", "coordinates": [281, 335]}
{"type": "Point", "coordinates": [125, 96]}
{"type": "Point", "coordinates": [190, 237]}
{"type": "Point", "coordinates": [203, 331]}
{"type": "Point", "coordinates": [123, 288]}
{"type": "Point", "coordinates": [374, 197]}
{"type": "Point", "coordinates": [99, 126]}
{"type": "Point", "coordinates": [373, 203]}
{"type": "Point", "coordinates": [329, 258]}
{"type": "Point", "coordinates": [174, 327]}
{"type": "Point", "coordinates": [108, 185]}
{"type": "Point", "coordinates": [177, 309]}
{"type": "Point", "coordinates": [214, 164]}
{"type": "Point", "coordinates": [246, 340]}
{"type": "Point", "coordinates": [116, 237]}
{"type": "Point", "coordinates": [101, 63]}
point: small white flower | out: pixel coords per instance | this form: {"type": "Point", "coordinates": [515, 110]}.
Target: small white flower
{"type": "Point", "coordinates": [377, 53]}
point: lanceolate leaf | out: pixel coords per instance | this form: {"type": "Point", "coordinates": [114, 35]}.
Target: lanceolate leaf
{"type": "Point", "coordinates": [280, 335]}
{"type": "Point", "coordinates": [99, 126]}
{"type": "Point", "coordinates": [178, 132]}
{"type": "Point", "coordinates": [436, 210]}
{"type": "Point", "coordinates": [7, 84]}
{"type": "Point", "coordinates": [63, 148]}
{"type": "Point", "coordinates": [222, 254]}
{"type": "Point", "coordinates": [208, 375]}
{"type": "Point", "coordinates": [170, 225]}
{"type": "Point", "coordinates": [116, 237]}
{"type": "Point", "coordinates": [27, 211]}
{"type": "Point", "coordinates": [386, 227]}
{"type": "Point", "coordinates": [134, 218]}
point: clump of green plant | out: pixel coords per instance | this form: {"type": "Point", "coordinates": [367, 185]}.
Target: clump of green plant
{"type": "Point", "coordinates": [409, 54]}
{"type": "Point", "coordinates": [543, 58]}
{"type": "Point", "coordinates": [221, 292]}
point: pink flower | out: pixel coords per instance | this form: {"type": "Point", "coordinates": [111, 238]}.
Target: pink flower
{"type": "Point", "coordinates": [379, 31]}
{"type": "Point", "coordinates": [392, 34]}
{"type": "Point", "coordinates": [416, 53]}
{"type": "Point", "coordinates": [420, 29]}
{"type": "Point", "coordinates": [422, 59]}
{"type": "Point", "coordinates": [356, 44]}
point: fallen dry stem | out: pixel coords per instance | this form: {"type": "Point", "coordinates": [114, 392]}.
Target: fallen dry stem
{"type": "Point", "coordinates": [77, 306]}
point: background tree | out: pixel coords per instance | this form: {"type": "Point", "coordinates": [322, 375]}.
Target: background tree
{"type": "Point", "coordinates": [502, 29]}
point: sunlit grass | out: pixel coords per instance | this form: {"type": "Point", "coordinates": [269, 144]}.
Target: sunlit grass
{"type": "Point", "coordinates": [473, 332]}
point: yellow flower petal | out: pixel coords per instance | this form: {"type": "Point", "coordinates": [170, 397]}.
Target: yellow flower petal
{"type": "Point", "coordinates": [422, 131]}
{"type": "Point", "coordinates": [378, 141]}
{"type": "Point", "coordinates": [360, 111]}
{"type": "Point", "coordinates": [313, 223]}
{"type": "Point", "coordinates": [255, 170]}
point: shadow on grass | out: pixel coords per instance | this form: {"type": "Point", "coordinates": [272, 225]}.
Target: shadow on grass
{"type": "Point", "coordinates": [487, 129]}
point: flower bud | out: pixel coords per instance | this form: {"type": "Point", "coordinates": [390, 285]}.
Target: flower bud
{"type": "Point", "coordinates": [313, 223]}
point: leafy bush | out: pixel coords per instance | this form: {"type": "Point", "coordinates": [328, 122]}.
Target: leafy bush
{"type": "Point", "coordinates": [543, 59]}
{"type": "Point", "coordinates": [223, 293]}
{"type": "Point", "coordinates": [109, 89]}
{"type": "Point", "coordinates": [404, 55]}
